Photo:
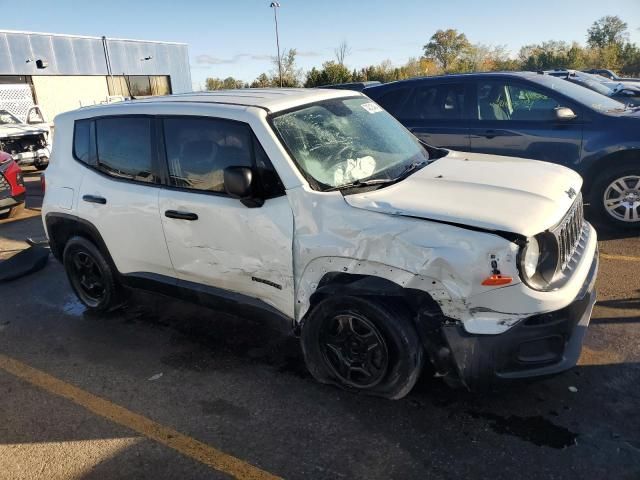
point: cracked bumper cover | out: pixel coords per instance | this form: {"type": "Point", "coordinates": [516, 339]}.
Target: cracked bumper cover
{"type": "Point", "coordinates": [539, 345]}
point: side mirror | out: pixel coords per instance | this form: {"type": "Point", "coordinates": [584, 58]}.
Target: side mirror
{"type": "Point", "coordinates": [564, 113]}
{"type": "Point", "coordinates": [238, 184]}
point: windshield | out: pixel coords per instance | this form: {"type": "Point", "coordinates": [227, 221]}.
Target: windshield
{"type": "Point", "coordinates": [594, 82]}
{"type": "Point", "coordinates": [7, 119]}
{"type": "Point", "coordinates": [581, 94]}
{"type": "Point", "coordinates": [341, 141]}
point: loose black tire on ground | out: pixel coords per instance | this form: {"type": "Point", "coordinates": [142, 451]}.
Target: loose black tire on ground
{"type": "Point", "coordinates": [626, 178]}
{"type": "Point", "coordinates": [364, 345]}
{"type": "Point", "coordinates": [91, 277]}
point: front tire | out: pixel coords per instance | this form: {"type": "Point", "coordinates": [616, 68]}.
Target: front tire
{"type": "Point", "coordinates": [615, 197]}
{"type": "Point", "coordinates": [362, 345]}
{"type": "Point", "coordinates": [91, 277]}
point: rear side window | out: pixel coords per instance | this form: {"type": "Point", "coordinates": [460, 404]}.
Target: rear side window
{"type": "Point", "coordinates": [392, 101]}
{"type": "Point", "coordinates": [124, 148]}
{"type": "Point", "coordinates": [84, 142]}
{"type": "Point", "coordinates": [199, 149]}
{"type": "Point", "coordinates": [438, 102]}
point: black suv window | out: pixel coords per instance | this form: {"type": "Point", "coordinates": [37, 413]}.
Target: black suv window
{"type": "Point", "coordinates": [512, 101]}
{"type": "Point", "coordinates": [199, 149]}
{"type": "Point", "coordinates": [392, 101]}
{"type": "Point", "coordinates": [444, 101]}
{"type": "Point", "coordinates": [124, 147]}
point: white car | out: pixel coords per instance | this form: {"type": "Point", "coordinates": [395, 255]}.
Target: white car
{"type": "Point", "coordinates": [319, 207]}
{"type": "Point", "coordinates": [28, 143]}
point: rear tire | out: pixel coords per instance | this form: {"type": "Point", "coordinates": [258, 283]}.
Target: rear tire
{"type": "Point", "coordinates": [615, 197]}
{"type": "Point", "coordinates": [362, 345]}
{"type": "Point", "coordinates": [13, 211]}
{"type": "Point", "coordinates": [91, 277]}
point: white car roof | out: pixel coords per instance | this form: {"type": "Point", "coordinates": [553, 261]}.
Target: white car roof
{"type": "Point", "coordinates": [270, 99]}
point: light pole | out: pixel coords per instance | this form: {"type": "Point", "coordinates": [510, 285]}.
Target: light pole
{"type": "Point", "coordinates": [275, 6]}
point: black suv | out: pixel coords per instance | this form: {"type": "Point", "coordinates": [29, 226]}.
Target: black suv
{"type": "Point", "coordinates": [530, 115]}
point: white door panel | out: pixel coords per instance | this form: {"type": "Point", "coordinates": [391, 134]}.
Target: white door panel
{"type": "Point", "coordinates": [232, 247]}
{"type": "Point", "coordinates": [129, 223]}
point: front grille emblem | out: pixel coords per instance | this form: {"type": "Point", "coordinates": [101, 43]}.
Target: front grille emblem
{"type": "Point", "coordinates": [571, 193]}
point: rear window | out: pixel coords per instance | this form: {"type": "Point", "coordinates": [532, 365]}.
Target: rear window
{"type": "Point", "coordinates": [124, 148]}
{"type": "Point", "coordinates": [117, 146]}
{"type": "Point", "coordinates": [440, 102]}
{"type": "Point", "coordinates": [392, 101]}
{"type": "Point", "coordinates": [84, 142]}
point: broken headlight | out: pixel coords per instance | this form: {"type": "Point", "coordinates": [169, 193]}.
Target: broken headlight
{"type": "Point", "coordinates": [538, 261]}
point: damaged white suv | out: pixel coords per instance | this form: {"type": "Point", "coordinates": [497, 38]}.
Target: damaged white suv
{"type": "Point", "coordinates": [319, 207]}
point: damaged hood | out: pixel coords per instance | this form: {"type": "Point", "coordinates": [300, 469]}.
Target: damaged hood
{"type": "Point", "coordinates": [19, 130]}
{"type": "Point", "coordinates": [484, 191]}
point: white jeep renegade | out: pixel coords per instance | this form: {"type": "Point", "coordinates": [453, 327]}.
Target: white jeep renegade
{"type": "Point", "coordinates": [318, 206]}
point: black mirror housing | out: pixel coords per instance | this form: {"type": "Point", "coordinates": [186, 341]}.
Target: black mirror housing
{"type": "Point", "coordinates": [238, 183]}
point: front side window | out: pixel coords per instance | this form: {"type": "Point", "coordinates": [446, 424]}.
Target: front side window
{"type": "Point", "coordinates": [124, 147]}
{"type": "Point", "coordinates": [199, 149]}
{"type": "Point", "coordinates": [341, 141]}
{"type": "Point", "coordinates": [504, 101]}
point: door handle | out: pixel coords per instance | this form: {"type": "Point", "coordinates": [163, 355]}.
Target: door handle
{"type": "Point", "coordinates": [94, 199]}
{"type": "Point", "coordinates": [181, 215]}
{"type": "Point", "coordinates": [490, 134]}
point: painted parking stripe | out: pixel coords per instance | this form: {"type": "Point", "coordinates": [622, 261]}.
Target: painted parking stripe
{"type": "Point", "coordinates": [184, 444]}
{"type": "Point", "coordinates": [624, 258]}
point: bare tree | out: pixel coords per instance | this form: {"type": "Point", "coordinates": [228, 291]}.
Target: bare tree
{"type": "Point", "coordinates": [342, 51]}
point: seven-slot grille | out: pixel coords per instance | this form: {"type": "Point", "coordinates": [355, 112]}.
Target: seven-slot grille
{"type": "Point", "coordinates": [569, 232]}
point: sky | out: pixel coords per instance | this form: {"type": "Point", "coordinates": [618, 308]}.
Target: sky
{"type": "Point", "coordinates": [237, 37]}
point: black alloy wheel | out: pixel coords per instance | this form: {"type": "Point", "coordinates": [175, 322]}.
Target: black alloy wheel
{"type": "Point", "coordinates": [355, 350]}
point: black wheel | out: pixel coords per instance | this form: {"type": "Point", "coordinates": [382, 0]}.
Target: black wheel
{"type": "Point", "coordinates": [615, 197]}
{"type": "Point", "coordinates": [12, 212]}
{"type": "Point", "coordinates": [90, 275]}
{"type": "Point", "coordinates": [41, 164]}
{"type": "Point", "coordinates": [362, 345]}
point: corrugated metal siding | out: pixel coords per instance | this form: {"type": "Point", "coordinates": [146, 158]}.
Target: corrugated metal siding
{"type": "Point", "coordinates": [71, 55]}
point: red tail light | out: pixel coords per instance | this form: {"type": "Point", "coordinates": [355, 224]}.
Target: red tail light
{"type": "Point", "coordinates": [43, 183]}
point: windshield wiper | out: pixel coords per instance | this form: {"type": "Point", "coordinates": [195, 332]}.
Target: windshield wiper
{"type": "Point", "coordinates": [362, 183]}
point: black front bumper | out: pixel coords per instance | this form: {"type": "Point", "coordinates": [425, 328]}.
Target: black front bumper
{"type": "Point", "coordinates": [538, 345]}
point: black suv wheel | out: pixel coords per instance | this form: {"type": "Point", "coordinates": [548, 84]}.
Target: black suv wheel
{"type": "Point", "coordinates": [362, 345]}
{"type": "Point", "coordinates": [90, 275]}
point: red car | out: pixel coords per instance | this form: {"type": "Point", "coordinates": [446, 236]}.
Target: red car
{"type": "Point", "coordinates": [12, 191]}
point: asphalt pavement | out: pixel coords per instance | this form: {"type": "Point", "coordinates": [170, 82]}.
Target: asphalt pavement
{"type": "Point", "coordinates": [164, 389]}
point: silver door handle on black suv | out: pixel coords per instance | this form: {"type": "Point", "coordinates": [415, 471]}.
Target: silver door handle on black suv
{"type": "Point", "coordinates": [181, 215]}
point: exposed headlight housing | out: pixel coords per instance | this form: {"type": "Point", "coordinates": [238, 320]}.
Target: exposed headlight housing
{"type": "Point", "coordinates": [539, 261]}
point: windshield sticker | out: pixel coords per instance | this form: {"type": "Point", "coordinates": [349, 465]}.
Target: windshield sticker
{"type": "Point", "coordinates": [371, 107]}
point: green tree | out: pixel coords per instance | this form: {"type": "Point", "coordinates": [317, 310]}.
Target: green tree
{"type": "Point", "coordinates": [228, 83]}
{"type": "Point", "coordinates": [446, 47]}
{"type": "Point", "coordinates": [331, 73]}
{"type": "Point", "coordinates": [291, 74]}
{"type": "Point", "coordinates": [609, 30]}
{"type": "Point", "coordinates": [262, 81]}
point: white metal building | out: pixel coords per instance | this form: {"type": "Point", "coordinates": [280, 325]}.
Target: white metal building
{"type": "Point", "coordinates": [64, 72]}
